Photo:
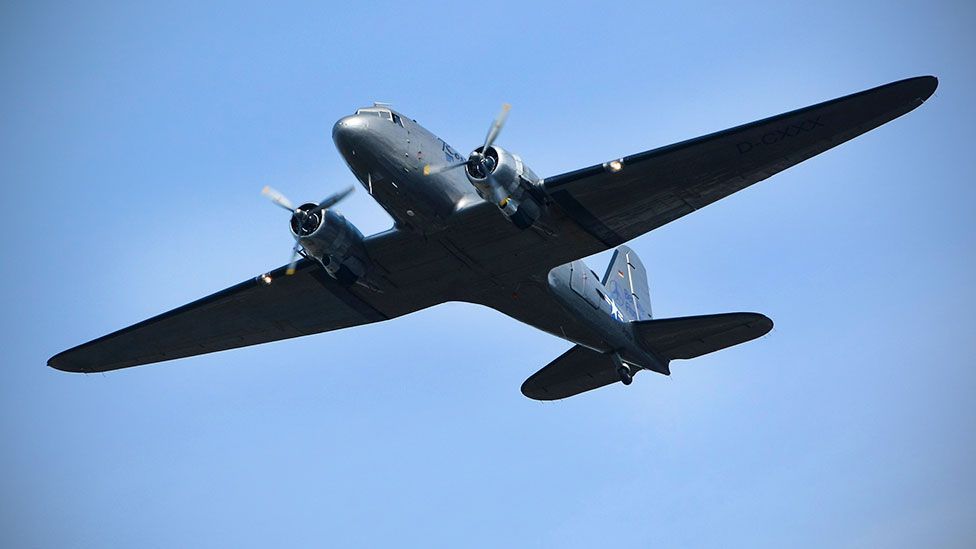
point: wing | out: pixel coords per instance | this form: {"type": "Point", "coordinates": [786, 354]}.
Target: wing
{"type": "Point", "coordinates": [252, 312]}
{"type": "Point", "coordinates": [597, 208]}
{"type": "Point", "coordinates": [614, 202]}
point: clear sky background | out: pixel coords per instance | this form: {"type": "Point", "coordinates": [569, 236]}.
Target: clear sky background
{"type": "Point", "coordinates": [134, 142]}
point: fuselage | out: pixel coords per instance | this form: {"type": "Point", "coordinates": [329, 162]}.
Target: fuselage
{"type": "Point", "coordinates": [388, 151]}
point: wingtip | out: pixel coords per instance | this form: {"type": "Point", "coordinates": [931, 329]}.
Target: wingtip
{"type": "Point", "coordinates": [531, 388]}
{"type": "Point", "coordinates": [58, 362]}
{"type": "Point", "coordinates": [762, 322]}
{"type": "Point", "coordinates": [65, 363]}
{"type": "Point", "coordinates": [928, 85]}
{"type": "Point", "coordinates": [756, 320]}
{"type": "Point", "coordinates": [537, 394]}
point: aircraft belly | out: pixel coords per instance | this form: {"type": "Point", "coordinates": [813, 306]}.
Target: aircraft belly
{"type": "Point", "coordinates": [532, 304]}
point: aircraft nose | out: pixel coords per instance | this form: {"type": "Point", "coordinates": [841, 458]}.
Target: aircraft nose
{"type": "Point", "coordinates": [349, 132]}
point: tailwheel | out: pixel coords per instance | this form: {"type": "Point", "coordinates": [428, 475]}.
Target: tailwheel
{"type": "Point", "coordinates": [625, 376]}
{"type": "Point", "coordinates": [624, 372]}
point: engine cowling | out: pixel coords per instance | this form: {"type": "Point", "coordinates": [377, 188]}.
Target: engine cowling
{"type": "Point", "coordinates": [504, 180]}
{"type": "Point", "coordinates": [336, 243]}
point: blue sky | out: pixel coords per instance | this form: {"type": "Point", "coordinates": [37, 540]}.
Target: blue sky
{"type": "Point", "coordinates": [135, 142]}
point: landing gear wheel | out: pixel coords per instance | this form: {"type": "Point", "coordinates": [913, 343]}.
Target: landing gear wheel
{"type": "Point", "coordinates": [625, 376]}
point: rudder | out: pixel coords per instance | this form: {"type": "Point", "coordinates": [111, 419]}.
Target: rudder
{"type": "Point", "coordinates": [626, 283]}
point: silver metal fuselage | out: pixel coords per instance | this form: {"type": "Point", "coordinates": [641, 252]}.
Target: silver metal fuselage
{"type": "Point", "coordinates": [388, 158]}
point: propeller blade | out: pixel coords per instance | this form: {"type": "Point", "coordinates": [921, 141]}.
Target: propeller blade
{"type": "Point", "coordinates": [294, 258]}
{"type": "Point", "coordinates": [496, 126]}
{"type": "Point", "coordinates": [499, 194]}
{"type": "Point", "coordinates": [428, 170]}
{"type": "Point", "coordinates": [277, 198]}
{"type": "Point", "coordinates": [336, 198]}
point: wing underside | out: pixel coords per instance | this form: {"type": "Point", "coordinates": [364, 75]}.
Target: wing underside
{"type": "Point", "coordinates": [597, 208]}
{"type": "Point", "coordinates": [249, 313]}
{"type": "Point", "coordinates": [254, 311]}
{"type": "Point", "coordinates": [617, 202]}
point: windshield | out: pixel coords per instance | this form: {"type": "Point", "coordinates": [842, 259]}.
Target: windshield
{"type": "Point", "coordinates": [377, 111]}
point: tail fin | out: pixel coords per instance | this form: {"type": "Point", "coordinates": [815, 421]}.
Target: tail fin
{"type": "Point", "coordinates": [626, 283]}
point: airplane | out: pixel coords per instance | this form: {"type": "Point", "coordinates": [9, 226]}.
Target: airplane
{"type": "Point", "coordinates": [485, 229]}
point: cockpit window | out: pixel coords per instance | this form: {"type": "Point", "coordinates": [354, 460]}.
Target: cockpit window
{"type": "Point", "coordinates": [380, 112]}
{"type": "Point", "coordinates": [396, 120]}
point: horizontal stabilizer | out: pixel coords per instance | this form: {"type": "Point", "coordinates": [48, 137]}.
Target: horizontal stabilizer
{"type": "Point", "coordinates": [575, 371]}
{"type": "Point", "coordinates": [694, 336]}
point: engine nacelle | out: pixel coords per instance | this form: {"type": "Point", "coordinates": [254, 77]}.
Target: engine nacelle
{"type": "Point", "coordinates": [336, 243]}
{"type": "Point", "coordinates": [510, 185]}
